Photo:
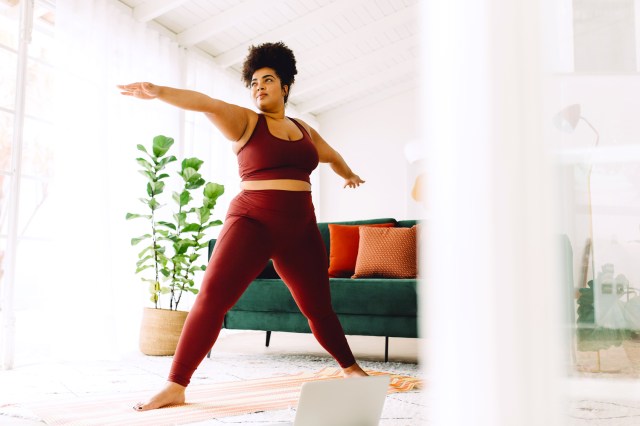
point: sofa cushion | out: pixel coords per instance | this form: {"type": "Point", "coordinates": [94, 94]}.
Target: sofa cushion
{"type": "Point", "coordinates": [344, 241]}
{"type": "Point", "coordinates": [357, 297]}
{"type": "Point", "coordinates": [387, 252]}
{"type": "Point", "coordinates": [324, 229]}
{"type": "Point", "coordinates": [375, 296]}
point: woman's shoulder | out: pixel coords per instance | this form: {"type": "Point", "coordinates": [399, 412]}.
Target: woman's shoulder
{"type": "Point", "coordinates": [302, 123]}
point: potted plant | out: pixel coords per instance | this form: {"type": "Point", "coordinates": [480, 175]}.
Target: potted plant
{"type": "Point", "coordinates": [169, 258]}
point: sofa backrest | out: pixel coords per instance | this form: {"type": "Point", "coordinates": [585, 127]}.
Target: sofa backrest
{"type": "Point", "coordinates": [406, 223]}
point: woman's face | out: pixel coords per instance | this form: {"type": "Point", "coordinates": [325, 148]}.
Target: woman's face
{"type": "Point", "coordinates": [266, 89]}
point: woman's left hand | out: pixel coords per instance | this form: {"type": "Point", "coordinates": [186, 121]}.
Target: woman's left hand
{"type": "Point", "coordinates": [353, 182]}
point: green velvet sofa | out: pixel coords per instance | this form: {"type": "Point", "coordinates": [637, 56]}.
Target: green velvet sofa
{"type": "Point", "coordinates": [366, 306]}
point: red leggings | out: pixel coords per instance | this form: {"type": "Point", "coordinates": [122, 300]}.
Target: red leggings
{"type": "Point", "coordinates": [263, 225]}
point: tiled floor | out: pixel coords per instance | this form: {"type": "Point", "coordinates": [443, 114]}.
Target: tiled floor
{"type": "Point", "coordinates": [237, 356]}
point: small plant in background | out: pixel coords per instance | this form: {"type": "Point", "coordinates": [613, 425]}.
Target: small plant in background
{"type": "Point", "coordinates": [173, 247]}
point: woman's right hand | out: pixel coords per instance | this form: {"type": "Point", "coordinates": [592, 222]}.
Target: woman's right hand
{"type": "Point", "coordinates": [143, 90]}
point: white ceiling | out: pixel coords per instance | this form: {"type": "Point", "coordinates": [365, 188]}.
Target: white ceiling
{"type": "Point", "coordinates": [350, 53]}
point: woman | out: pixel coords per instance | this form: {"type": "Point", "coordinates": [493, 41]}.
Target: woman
{"type": "Point", "coordinates": [271, 218]}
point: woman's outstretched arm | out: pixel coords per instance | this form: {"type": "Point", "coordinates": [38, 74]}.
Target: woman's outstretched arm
{"type": "Point", "coordinates": [232, 120]}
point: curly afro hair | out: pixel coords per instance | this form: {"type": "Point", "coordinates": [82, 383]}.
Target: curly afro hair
{"type": "Point", "coordinates": [272, 55]}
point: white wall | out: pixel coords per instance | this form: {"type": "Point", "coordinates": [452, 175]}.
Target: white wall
{"type": "Point", "coordinates": [371, 140]}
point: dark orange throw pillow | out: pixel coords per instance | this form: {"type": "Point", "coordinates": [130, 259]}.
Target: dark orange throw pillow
{"type": "Point", "coordinates": [343, 248]}
{"type": "Point", "coordinates": [387, 253]}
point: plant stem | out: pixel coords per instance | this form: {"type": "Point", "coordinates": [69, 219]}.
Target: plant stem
{"type": "Point", "coordinates": [155, 251]}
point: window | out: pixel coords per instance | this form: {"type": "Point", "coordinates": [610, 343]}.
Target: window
{"type": "Point", "coordinates": [36, 148]}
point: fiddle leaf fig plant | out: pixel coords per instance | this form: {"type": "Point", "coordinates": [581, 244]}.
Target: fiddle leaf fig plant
{"type": "Point", "coordinates": [174, 244]}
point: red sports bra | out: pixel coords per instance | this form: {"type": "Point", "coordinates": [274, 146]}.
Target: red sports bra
{"type": "Point", "coordinates": [265, 156]}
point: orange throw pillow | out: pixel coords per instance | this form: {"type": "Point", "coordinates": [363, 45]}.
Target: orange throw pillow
{"type": "Point", "coordinates": [343, 248]}
{"type": "Point", "coordinates": [387, 253]}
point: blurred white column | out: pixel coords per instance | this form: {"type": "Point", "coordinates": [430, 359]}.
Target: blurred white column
{"type": "Point", "coordinates": [491, 300]}
{"type": "Point", "coordinates": [8, 318]}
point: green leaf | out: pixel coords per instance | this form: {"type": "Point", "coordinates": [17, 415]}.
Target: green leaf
{"type": "Point", "coordinates": [136, 240]}
{"type": "Point", "coordinates": [147, 165]}
{"type": "Point", "coordinates": [142, 268]}
{"type": "Point", "coordinates": [165, 290]}
{"type": "Point", "coordinates": [135, 216]}
{"type": "Point", "coordinates": [155, 188]}
{"type": "Point", "coordinates": [166, 224]}
{"type": "Point", "coordinates": [161, 145]}
{"type": "Point", "coordinates": [193, 163]}
{"type": "Point", "coordinates": [182, 246]}
{"type": "Point", "coordinates": [146, 249]}
{"type": "Point", "coordinates": [185, 197]}
{"type": "Point", "coordinates": [162, 163]}
{"type": "Point", "coordinates": [162, 176]}
{"type": "Point", "coordinates": [144, 259]}
{"type": "Point", "coordinates": [154, 298]}
{"type": "Point", "coordinates": [142, 148]}
{"type": "Point", "coordinates": [213, 191]}
{"type": "Point", "coordinates": [180, 218]}
{"type": "Point", "coordinates": [149, 175]}
{"type": "Point", "coordinates": [153, 204]}
{"type": "Point", "coordinates": [195, 184]}
{"type": "Point", "coordinates": [189, 174]}
{"type": "Point", "coordinates": [191, 227]}
{"type": "Point", "coordinates": [203, 214]}
{"type": "Point", "coordinates": [213, 223]}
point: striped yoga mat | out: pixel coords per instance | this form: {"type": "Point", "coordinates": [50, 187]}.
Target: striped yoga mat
{"type": "Point", "coordinates": [204, 401]}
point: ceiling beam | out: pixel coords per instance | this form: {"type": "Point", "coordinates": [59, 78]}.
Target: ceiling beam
{"type": "Point", "coordinates": [362, 85]}
{"type": "Point", "coordinates": [221, 22]}
{"type": "Point", "coordinates": [237, 54]}
{"type": "Point", "coordinates": [151, 9]}
{"type": "Point", "coordinates": [409, 14]}
{"type": "Point", "coordinates": [355, 64]}
{"type": "Point", "coordinates": [408, 85]}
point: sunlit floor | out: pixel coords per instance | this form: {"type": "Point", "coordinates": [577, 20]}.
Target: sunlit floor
{"type": "Point", "coordinates": [621, 361]}
{"type": "Point", "coordinates": [237, 356]}
{"type": "Point", "coordinates": [243, 355]}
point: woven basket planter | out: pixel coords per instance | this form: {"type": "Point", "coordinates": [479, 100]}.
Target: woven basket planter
{"type": "Point", "coordinates": [160, 331]}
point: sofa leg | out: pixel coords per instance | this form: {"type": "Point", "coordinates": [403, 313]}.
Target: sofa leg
{"type": "Point", "coordinates": [386, 348]}
{"type": "Point", "coordinates": [268, 338]}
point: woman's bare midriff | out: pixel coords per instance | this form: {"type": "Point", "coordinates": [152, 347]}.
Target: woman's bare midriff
{"type": "Point", "coordinates": [281, 184]}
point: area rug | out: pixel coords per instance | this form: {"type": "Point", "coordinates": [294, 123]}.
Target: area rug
{"type": "Point", "coordinates": [204, 401]}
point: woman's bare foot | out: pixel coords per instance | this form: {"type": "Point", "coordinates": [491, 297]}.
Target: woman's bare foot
{"type": "Point", "coordinates": [353, 371]}
{"type": "Point", "coordinates": [171, 394]}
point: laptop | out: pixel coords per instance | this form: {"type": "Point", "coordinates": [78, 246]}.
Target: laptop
{"type": "Point", "coordinates": [341, 402]}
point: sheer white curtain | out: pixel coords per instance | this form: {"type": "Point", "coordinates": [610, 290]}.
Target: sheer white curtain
{"type": "Point", "coordinates": [94, 299]}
